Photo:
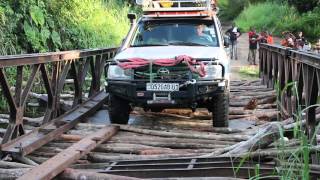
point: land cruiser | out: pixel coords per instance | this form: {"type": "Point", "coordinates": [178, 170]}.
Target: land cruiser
{"type": "Point", "coordinates": [174, 56]}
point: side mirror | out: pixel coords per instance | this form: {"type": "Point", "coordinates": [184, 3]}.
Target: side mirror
{"type": "Point", "coordinates": [132, 17]}
{"type": "Point", "coordinates": [226, 41]}
{"type": "Point", "coordinates": [139, 2]}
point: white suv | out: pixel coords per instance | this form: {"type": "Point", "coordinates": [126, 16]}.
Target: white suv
{"type": "Point", "coordinates": [169, 62]}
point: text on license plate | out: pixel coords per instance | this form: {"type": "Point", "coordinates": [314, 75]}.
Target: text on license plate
{"type": "Point", "coordinates": [162, 86]}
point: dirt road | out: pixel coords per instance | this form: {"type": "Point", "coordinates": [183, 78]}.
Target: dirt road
{"type": "Point", "coordinates": [243, 50]}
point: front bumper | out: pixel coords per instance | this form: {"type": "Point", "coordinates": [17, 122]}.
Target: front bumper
{"type": "Point", "coordinates": [135, 92]}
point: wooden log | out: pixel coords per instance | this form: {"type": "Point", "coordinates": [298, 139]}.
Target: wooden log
{"type": "Point", "coordinates": [173, 151]}
{"type": "Point", "coordinates": [274, 152]}
{"type": "Point", "coordinates": [43, 154]}
{"type": "Point", "coordinates": [241, 111]}
{"type": "Point", "coordinates": [267, 100]}
{"type": "Point", "coordinates": [184, 112]}
{"type": "Point", "coordinates": [101, 158]}
{"type": "Point", "coordinates": [124, 136]}
{"type": "Point", "coordinates": [252, 83]}
{"type": "Point", "coordinates": [70, 137]}
{"type": "Point", "coordinates": [62, 160]}
{"type": "Point", "coordinates": [186, 134]}
{"type": "Point", "coordinates": [134, 146]}
{"type": "Point", "coordinates": [73, 174]}
{"type": "Point", "coordinates": [41, 160]}
{"type": "Point", "coordinates": [126, 148]}
{"type": "Point", "coordinates": [11, 174]}
{"type": "Point", "coordinates": [12, 165]}
{"type": "Point", "coordinates": [267, 106]}
{"type": "Point", "coordinates": [246, 97]}
{"type": "Point", "coordinates": [237, 103]}
{"type": "Point", "coordinates": [25, 160]}
{"type": "Point", "coordinates": [263, 137]}
{"type": "Point", "coordinates": [50, 149]}
{"type": "Point", "coordinates": [182, 134]}
{"type": "Point", "coordinates": [232, 117]}
{"type": "Point", "coordinates": [38, 160]}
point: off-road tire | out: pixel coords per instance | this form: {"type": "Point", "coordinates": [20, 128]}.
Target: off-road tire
{"type": "Point", "coordinates": [119, 110]}
{"type": "Point", "coordinates": [219, 106]}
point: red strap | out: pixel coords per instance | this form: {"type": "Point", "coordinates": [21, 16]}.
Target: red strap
{"type": "Point", "coordinates": [140, 62]}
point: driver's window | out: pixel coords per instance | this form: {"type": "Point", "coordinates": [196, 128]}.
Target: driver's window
{"type": "Point", "coordinates": [138, 39]}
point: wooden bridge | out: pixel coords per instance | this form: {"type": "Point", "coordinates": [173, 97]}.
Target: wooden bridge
{"type": "Point", "coordinates": [61, 139]}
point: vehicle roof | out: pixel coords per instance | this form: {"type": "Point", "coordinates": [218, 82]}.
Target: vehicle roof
{"type": "Point", "coordinates": [177, 18]}
{"type": "Point", "coordinates": [178, 8]}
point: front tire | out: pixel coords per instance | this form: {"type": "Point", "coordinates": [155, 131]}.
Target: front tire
{"type": "Point", "coordinates": [219, 106]}
{"type": "Point", "coordinates": [119, 110]}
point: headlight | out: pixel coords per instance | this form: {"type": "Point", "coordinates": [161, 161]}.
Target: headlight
{"type": "Point", "coordinates": [117, 73]}
{"type": "Point", "coordinates": [212, 72]}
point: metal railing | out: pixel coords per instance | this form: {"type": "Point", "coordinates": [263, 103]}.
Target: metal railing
{"type": "Point", "coordinates": [287, 67]}
{"type": "Point", "coordinates": [52, 69]}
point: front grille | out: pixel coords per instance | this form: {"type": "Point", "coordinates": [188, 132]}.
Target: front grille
{"type": "Point", "coordinates": [178, 72]}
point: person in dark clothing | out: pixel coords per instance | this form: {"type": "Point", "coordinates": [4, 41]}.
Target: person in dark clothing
{"type": "Point", "coordinates": [300, 41]}
{"type": "Point", "coordinates": [263, 37]}
{"type": "Point", "coordinates": [234, 33]}
{"type": "Point", "coordinates": [253, 45]}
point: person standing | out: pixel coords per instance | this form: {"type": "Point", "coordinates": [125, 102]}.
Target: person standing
{"type": "Point", "coordinates": [253, 45]}
{"type": "Point", "coordinates": [263, 37]}
{"type": "Point", "coordinates": [300, 41]}
{"type": "Point", "coordinates": [289, 39]}
{"type": "Point", "coordinates": [269, 38]}
{"type": "Point", "coordinates": [234, 33]}
{"type": "Point", "coordinates": [317, 46]}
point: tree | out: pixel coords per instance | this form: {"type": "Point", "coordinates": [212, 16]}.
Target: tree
{"type": "Point", "coordinates": [304, 5]}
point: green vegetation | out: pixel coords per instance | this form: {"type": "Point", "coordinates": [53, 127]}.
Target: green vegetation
{"type": "Point", "coordinates": [300, 158]}
{"type": "Point", "coordinates": [230, 9]}
{"type": "Point", "coordinates": [304, 5]}
{"type": "Point", "coordinates": [250, 71]}
{"type": "Point", "coordinates": [277, 17]}
{"type": "Point", "coordinates": [32, 26]}
{"type": "Point", "coordinates": [53, 25]}
{"type": "Point", "coordinates": [260, 16]}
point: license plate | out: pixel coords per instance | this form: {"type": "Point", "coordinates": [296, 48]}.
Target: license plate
{"type": "Point", "coordinates": [162, 86]}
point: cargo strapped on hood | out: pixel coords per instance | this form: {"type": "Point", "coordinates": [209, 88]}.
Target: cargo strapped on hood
{"type": "Point", "coordinates": [140, 62]}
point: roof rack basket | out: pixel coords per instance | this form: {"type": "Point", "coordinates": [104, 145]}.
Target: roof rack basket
{"type": "Point", "coordinates": [177, 8]}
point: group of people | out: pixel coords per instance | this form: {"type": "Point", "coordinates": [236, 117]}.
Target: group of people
{"type": "Point", "coordinates": [254, 39]}
{"type": "Point", "coordinates": [296, 42]}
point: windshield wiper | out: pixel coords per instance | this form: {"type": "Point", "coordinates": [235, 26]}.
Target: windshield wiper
{"type": "Point", "coordinates": [187, 44]}
{"type": "Point", "coordinates": [146, 45]}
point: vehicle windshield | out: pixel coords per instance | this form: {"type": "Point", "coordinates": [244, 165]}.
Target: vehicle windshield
{"type": "Point", "coordinates": [175, 34]}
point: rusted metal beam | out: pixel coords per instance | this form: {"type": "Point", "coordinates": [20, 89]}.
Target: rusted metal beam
{"type": "Point", "coordinates": [300, 67]}
{"type": "Point", "coordinates": [58, 163]}
{"type": "Point", "coordinates": [81, 174]}
{"type": "Point", "coordinates": [62, 64]}
{"type": "Point", "coordinates": [31, 141]}
{"type": "Point", "coordinates": [30, 59]}
{"type": "Point", "coordinates": [191, 167]}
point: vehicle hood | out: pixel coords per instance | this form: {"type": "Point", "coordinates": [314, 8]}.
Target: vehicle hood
{"type": "Point", "coordinates": [162, 52]}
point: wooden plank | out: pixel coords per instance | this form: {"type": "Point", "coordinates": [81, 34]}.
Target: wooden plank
{"type": "Point", "coordinates": [52, 167]}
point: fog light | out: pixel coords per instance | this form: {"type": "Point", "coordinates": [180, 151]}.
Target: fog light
{"type": "Point", "coordinates": [140, 94]}
{"type": "Point", "coordinates": [203, 89]}
{"type": "Point", "coordinates": [222, 84]}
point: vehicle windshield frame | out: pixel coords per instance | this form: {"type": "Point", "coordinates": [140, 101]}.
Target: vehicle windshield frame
{"type": "Point", "coordinates": [209, 23]}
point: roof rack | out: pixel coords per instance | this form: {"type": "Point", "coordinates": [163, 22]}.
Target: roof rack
{"type": "Point", "coordinates": [177, 8]}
